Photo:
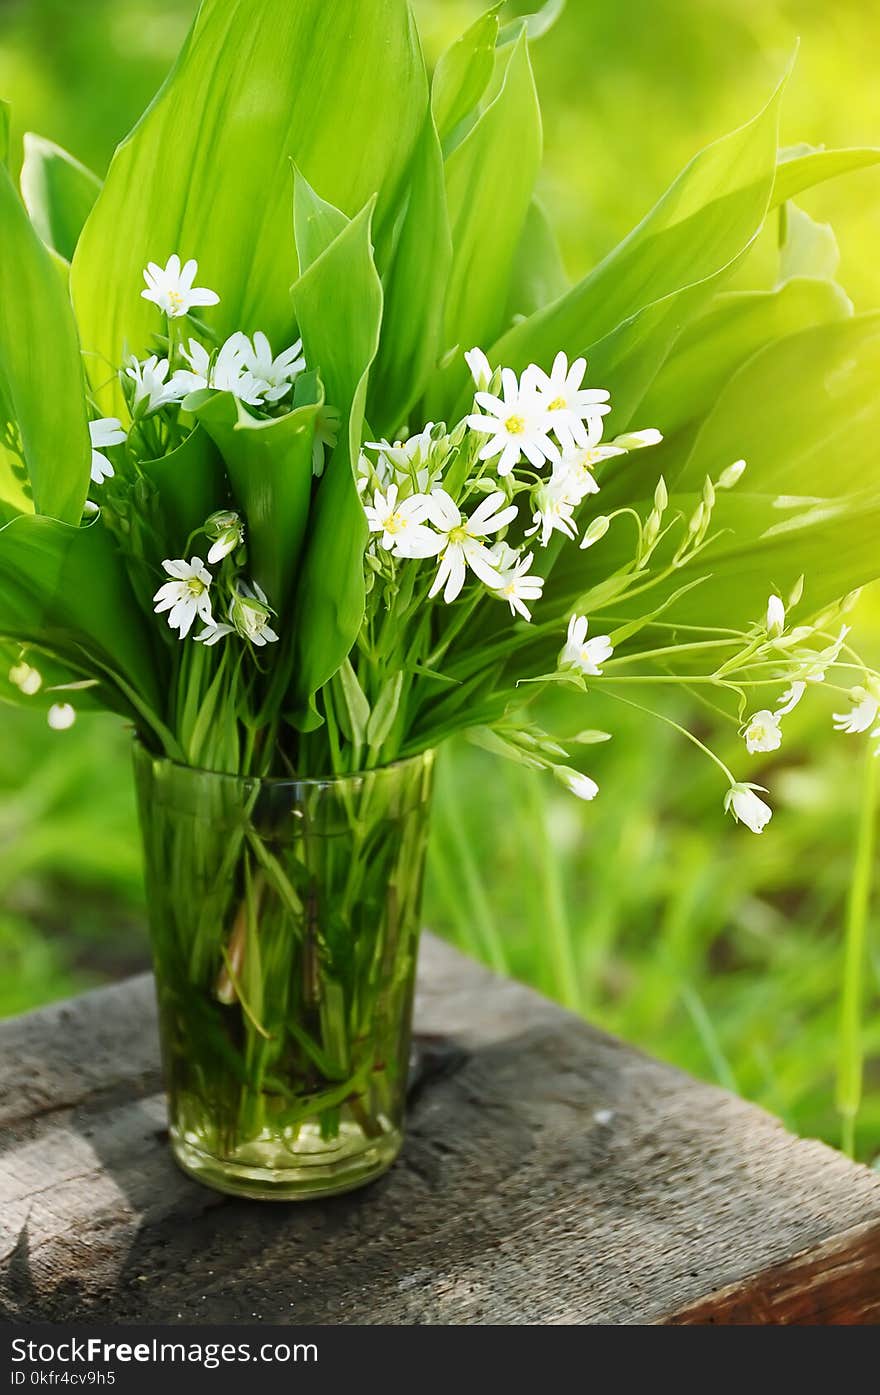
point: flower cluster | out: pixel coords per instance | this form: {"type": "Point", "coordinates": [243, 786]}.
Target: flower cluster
{"type": "Point", "coordinates": [191, 592]}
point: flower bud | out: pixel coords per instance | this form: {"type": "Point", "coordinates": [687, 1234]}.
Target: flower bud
{"type": "Point", "coordinates": [596, 532]}
{"type": "Point", "coordinates": [732, 475]}
{"type": "Point", "coordinates": [28, 680]}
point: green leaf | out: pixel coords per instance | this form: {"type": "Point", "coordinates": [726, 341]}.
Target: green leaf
{"type": "Point", "coordinates": [316, 223]}
{"type": "Point", "coordinates": [490, 180]}
{"type": "Point", "coordinates": [627, 312]}
{"type": "Point", "coordinates": [385, 712]}
{"type": "Point", "coordinates": [808, 248]}
{"type": "Point", "coordinates": [338, 305]}
{"type": "Point", "coordinates": [58, 192]}
{"type": "Point", "coordinates": [535, 25]}
{"type": "Point", "coordinates": [191, 485]}
{"type": "Point", "coordinates": [269, 464]}
{"type": "Point", "coordinates": [463, 73]}
{"type": "Point", "coordinates": [41, 381]}
{"type": "Point", "coordinates": [65, 589]}
{"type": "Point", "coordinates": [538, 275]}
{"type": "Point", "coordinates": [415, 292]}
{"type": "Point", "coordinates": [5, 123]}
{"type": "Point", "coordinates": [338, 88]}
{"type": "Point", "coordinates": [713, 347]}
{"type": "Point", "coordinates": [356, 708]}
{"type": "Point", "coordinates": [804, 168]}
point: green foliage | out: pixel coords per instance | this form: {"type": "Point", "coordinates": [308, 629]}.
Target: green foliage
{"type": "Point", "coordinates": [58, 192]}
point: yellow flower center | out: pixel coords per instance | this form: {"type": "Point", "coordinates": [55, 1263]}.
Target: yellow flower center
{"type": "Point", "coordinates": [176, 300]}
{"type": "Point", "coordinates": [458, 535]}
{"type": "Point", "coordinates": [515, 426]}
{"type": "Point", "coordinates": [394, 523]}
{"type": "Point", "coordinates": [195, 587]}
{"type": "Point", "coordinates": [558, 405]}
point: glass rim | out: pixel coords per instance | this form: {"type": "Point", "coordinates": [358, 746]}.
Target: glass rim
{"type": "Point", "coordinates": [289, 782]}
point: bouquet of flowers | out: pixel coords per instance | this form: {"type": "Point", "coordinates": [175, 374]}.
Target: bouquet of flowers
{"type": "Point", "coordinates": [313, 457]}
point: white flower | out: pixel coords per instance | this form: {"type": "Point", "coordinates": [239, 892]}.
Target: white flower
{"type": "Point", "coordinates": [790, 699]}
{"type": "Point", "coordinates": [638, 440]}
{"type": "Point", "coordinates": [460, 542]}
{"type": "Point", "coordinates": [212, 634]}
{"type": "Point", "coordinates": [518, 425]}
{"type": "Point", "coordinates": [250, 612]}
{"type": "Point", "coordinates": [517, 586]}
{"type": "Point", "coordinates": [405, 460]}
{"type": "Point", "coordinates": [746, 807]}
{"type": "Point", "coordinates": [576, 783]}
{"type": "Point", "coordinates": [186, 596]}
{"type": "Point", "coordinates": [568, 405]}
{"type": "Point", "coordinates": [275, 376]}
{"type": "Point", "coordinates": [481, 369]}
{"type": "Point", "coordinates": [26, 679]}
{"type": "Point", "coordinates": [401, 523]}
{"type": "Point", "coordinates": [763, 732]}
{"type": "Point", "coordinates": [555, 502]}
{"type": "Point", "coordinates": [863, 715]}
{"type": "Point", "coordinates": [227, 373]}
{"type": "Point", "coordinates": [581, 654]}
{"type": "Point", "coordinates": [775, 617]}
{"type": "Point", "coordinates": [107, 431]}
{"type": "Point", "coordinates": [171, 287]}
{"type": "Point", "coordinates": [61, 717]}
{"type": "Point", "coordinates": [227, 531]}
{"type": "Point", "coordinates": [150, 385]}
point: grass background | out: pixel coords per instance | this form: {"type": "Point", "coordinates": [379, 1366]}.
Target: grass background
{"type": "Point", "coordinates": [719, 951]}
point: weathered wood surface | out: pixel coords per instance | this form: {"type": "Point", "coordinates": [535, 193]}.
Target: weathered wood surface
{"type": "Point", "coordinates": [551, 1175]}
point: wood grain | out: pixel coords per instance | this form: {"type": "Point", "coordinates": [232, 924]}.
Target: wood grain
{"type": "Point", "coordinates": [551, 1175]}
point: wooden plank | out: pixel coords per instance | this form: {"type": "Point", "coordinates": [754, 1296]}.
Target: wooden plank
{"type": "Point", "coordinates": [551, 1175]}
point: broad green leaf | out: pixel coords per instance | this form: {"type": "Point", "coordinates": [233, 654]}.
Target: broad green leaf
{"type": "Point", "coordinates": [41, 380]}
{"type": "Point", "coordinates": [490, 180]}
{"type": "Point", "coordinates": [316, 223]}
{"type": "Point", "coordinates": [385, 712]}
{"type": "Point", "coordinates": [65, 589]}
{"type": "Point", "coordinates": [338, 88]}
{"type": "Point", "coordinates": [535, 25]}
{"type": "Point", "coordinates": [191, 485]}
{"type": "Point", "coordinates": [538, 276]}
{"type": "Point", "coordinates": [5, 123]}
{"type": "Point", "coordinates": [338, 305]}
{"type": "Point", "coordinates": [463, 73]}
{"type": "Point", "coordinates": [804, 413]}
{"type": "Point", "coordinates": [636, 301]}
{"type": "Point", "coordinates": [803, 169]}
{"type": "Point", "coordinates": [269, 464]}
{"type": "Point", "coordinates": [354, 712]}
{"type": "Point", "coordinates": [415, 292]}
{"type": "Point", "coordinates": [58, 192]}
{"type": "Point", "coordinates": [713, 347]}
{"type": "Point", "coordinates": [809, 248]}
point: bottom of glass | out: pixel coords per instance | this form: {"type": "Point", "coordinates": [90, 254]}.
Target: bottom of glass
{"type": "Point", "coordinates": [269, 1172]}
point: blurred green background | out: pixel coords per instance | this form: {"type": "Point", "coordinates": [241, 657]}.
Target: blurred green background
{"type": "Point", "coordinates": [647, 911]}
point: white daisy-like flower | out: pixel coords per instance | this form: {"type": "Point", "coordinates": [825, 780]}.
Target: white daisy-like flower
{"type": "Point", "coordinates": [790, 699]}
{"type": "Point", "coordinates": [480, 369]}
{"type": "Point", "coordinates": [250, 613]}
{"type": "Point", "coordinates": [61, 716]}
{"type": "Point", "coordinates": [554, 504]}
{"type": "Point", "coordinates": [863, 715]}
{"type": "Point", "coordinates": [518, 425]}
{"type": "Point", "coordinates": [171, 287]}
{"type": "Point", "coordinates": [583, 655]}
{"type": "Point", "coordinates": [517, 585]}
{"type": "Point", "coordinates": [107, 431]}
{"type": "Point", "coordinates": [227, 372]}
{"type": "Point", "coordinates": [775, 623]}
{"type": "Point", "coordinates": [763, 732]}
{"type": "Point", "coordinates": [461, 542]}
{"type": "Point", "coordinates": [744, 803]}
{"type": "Point", "coordinates": [401, 523]}
{"type": "Point", "coordinates": [152, 386]}
{"type": "Point", "coordinates": [275, 376]}
{"type": "Point", "coordinates": [572, 409]}
{"type": "Point", "coordinates": [187, 596]}
{"type": "Point", "coordinates": [577, 783]}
